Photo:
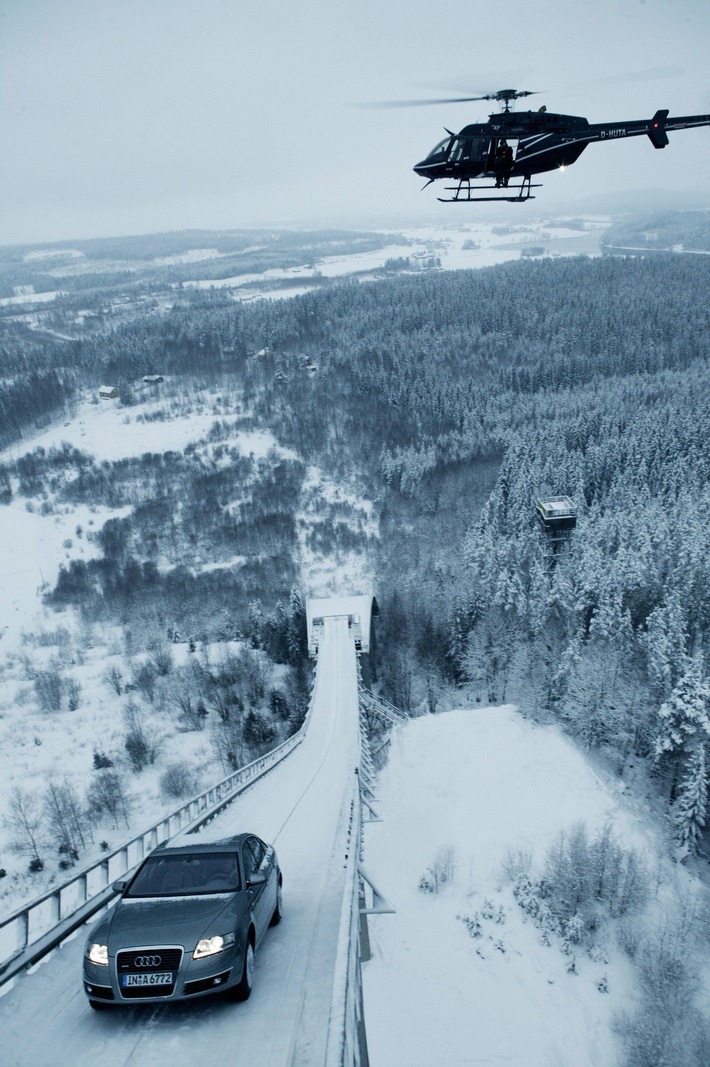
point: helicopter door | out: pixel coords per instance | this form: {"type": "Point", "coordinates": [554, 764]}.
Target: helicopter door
{"type": "Point", "coordinates": [501, 156]}
{"type": "Point", "coordinates": [470, 151]}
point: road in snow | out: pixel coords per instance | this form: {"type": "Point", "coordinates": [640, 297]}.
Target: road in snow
{"type": "Point", "coordinates": [300, 807]}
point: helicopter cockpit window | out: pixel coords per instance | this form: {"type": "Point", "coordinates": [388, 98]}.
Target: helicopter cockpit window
{"type": "Point", "coordinates": [440, 152]}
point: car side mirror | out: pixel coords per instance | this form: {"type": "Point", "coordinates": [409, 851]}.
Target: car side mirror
{"type": "Point", "coordinates": [257, 878]}
{"type": "Point", "coordinates": [120, 885]}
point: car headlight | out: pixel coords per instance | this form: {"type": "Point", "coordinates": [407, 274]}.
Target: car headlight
{"type": "Point", "coordinates": [98, 954]}
{"type": "Point", "coordinates": [210, 946]}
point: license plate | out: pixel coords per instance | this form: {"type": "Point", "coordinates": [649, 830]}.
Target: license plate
{"type": "Point", "coordinates": [156, 978]}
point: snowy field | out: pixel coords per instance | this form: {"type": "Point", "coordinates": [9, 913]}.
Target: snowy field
{"type": "Point", "coordinates": [108, 431]}
{"type": "Point", "coordinates": [457, 247]}
{"type": "Point", "coordinates": [478, 784]}
{"type": "Point", "coordinates": [33, 545]}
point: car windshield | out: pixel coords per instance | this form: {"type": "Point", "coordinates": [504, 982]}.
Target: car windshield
{"type": "Point", "coordinates": [186, 875]}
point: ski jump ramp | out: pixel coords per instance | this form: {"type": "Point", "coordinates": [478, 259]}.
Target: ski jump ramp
{"type": "Point", "coordinates": [304, 807]}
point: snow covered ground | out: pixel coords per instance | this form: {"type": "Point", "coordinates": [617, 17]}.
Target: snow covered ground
{"type": "Point", "coordinates": [328, 574]}
{"type": "Point", "coordinates": [109, 431]}
{"type": "Point", "coordinates": [478, 784]}
{"type": "Point", "coordinates": [33, 544]}
{"type": "Point", "coordinates": [28, 298]}
{"type": "Point", "coordinates": [457, 247]}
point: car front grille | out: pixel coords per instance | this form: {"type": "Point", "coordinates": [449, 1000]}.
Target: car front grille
{"type": "Point", "coordinates": [147, 961]}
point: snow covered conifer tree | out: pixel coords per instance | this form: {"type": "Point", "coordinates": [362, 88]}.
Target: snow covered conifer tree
{"type": "Point", "coordinates": [690, 809]}
{"type": "Point", "coordinates": [296, 639]}
{"type": "Point", "coordinates": [685, 716]}
{"type": "Point", "coordinates": [684, 720]}
{"type": "Point", "coordinates": [665, 641]}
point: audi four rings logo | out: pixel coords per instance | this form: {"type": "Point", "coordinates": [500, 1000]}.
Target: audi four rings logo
{"type": "Point", "coordinates": [147, 961]}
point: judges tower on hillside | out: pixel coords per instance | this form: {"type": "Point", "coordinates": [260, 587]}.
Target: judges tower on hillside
{"type": "Point", "coordinates": [558, 517]}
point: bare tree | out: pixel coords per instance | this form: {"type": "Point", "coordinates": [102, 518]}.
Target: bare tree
{"type": "Point", "coordinates": [107, 795]}
{"type": "Point", "coordinates": [140, 745]}
{"type": "Point", "coordinates": [114, 678]}
{"type": "Point", "coordinates": [187, 698]}
{"type": "Point", "coordinates": [49, 689]}
{"type": "Point", "coordinates": [65, 818]}
{"type": "Point", "coordinates": [177, 780]}
{"type": "Point", "coordinates": [162, 660]}
{"type": "Point", "coordinates": [144, 678]}
{"type": "Point", "coordinates": [230, 745]}
{"type": "Point", "coordinates": [24, 822]}
{"type": "Point", "coordinates": [73, 693]}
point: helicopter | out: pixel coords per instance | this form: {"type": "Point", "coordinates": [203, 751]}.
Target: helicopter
{"type": "Point", "coordinates": [520, 144]}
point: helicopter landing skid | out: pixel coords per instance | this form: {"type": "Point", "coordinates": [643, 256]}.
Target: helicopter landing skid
{"type": "Point", "coordinates": [463, 193]}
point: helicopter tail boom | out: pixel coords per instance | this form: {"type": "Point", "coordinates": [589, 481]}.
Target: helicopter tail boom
{"type": "Point", "coordinates": [657, 129]}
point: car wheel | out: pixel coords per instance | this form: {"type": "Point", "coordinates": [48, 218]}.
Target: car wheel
{"type": "Point", "coordinates": [279, 909]}
{"type": "Point", "coordinates": [242, 991]}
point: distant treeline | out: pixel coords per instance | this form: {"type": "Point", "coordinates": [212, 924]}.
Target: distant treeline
{"type": "Point", "coordinates": [687, 230]}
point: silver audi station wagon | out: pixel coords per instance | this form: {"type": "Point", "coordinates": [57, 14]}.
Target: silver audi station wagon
{"type": "Point", "coordinates": [188, 923]}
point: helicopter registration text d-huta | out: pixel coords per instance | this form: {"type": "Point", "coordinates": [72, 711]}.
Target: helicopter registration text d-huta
{"type": "Point", "coordinates": [513, 146]}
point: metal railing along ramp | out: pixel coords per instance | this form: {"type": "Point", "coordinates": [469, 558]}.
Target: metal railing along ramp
{"type": "Point", "coordinates": [306, 1008]}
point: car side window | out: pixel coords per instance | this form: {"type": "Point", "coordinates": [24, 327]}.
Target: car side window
{"type": "Point", "coordinates": [249, 858]}
{"type": "Point", "coordinates": [254, 852]}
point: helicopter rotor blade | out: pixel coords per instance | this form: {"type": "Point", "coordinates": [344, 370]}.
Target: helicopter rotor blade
{"type": "Point", "coordinates": [502, 96]}
{"type": "Point", "coordinates": [377, 104]}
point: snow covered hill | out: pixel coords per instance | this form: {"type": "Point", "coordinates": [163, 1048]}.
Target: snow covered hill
{"type": "Point", "coordinates": [461, 975]}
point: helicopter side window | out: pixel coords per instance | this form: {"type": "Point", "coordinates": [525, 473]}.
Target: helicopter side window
{"type": "Point", "coordinates": [457, 152]}
{"type": "Point", "coordinates": [440, 152]}
{"type": "Point", "coordinates": [479, 150]}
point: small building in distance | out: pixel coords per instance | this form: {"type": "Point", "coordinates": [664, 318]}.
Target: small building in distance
{"type": "Point", "coordinates": [153, 379]}
{"type": "Point", "coordinates": [557, 516]}
{"type": "Point", "coordinates": [108, 392]}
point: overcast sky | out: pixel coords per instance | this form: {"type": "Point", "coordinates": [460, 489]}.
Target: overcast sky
{"type": "Point", "coordinates": [135, 116]}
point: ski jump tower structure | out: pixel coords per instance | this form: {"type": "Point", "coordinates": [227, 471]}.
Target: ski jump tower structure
{"type": "Point", "coordinates": [359, 611]}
